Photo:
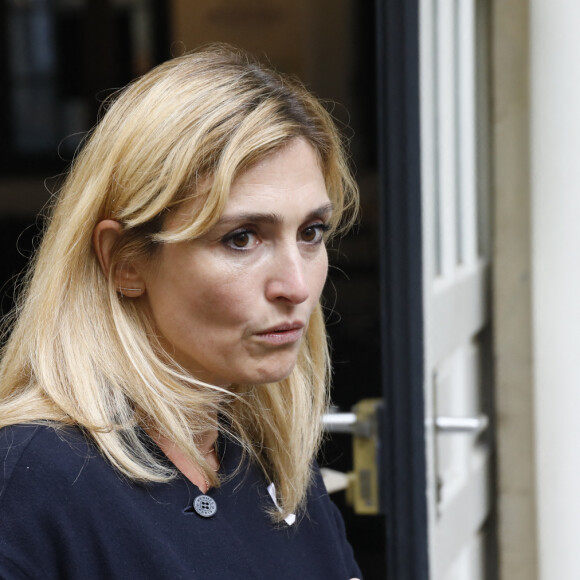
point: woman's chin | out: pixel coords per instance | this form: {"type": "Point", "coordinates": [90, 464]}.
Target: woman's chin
{"type": "Point", "coordinates": [252, 370]}
{"type": "Point", "coordinates": [273, 375]}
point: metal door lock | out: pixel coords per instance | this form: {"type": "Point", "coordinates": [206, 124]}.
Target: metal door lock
{"type": "Point", "coordinates": [363, 490]}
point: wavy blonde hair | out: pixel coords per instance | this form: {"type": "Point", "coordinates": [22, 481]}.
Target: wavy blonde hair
{"type": "Point", "coordinates": [79, 353]}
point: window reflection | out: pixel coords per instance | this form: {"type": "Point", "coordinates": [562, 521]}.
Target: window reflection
{"type": "Point", "coordinates": [61, 55]}
{"type": "Point", "coordinates": [32, 67]}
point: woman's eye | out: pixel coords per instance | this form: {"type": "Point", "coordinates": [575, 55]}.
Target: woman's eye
{"type": "Point", "coordinates": [314, 234]}
{"type": "Point", "coordinates": [241, 240]}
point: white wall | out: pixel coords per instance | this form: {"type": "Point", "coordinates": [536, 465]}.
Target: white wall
{"type": "Point", "coordinates": [555, 220]}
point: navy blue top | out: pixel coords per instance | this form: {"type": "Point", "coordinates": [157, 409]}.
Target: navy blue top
{"type": "Point", "coordinates": [66, 513]}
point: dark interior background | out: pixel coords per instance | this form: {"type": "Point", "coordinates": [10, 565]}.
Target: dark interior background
{"type": "Point", "coordinates": [60, 59]}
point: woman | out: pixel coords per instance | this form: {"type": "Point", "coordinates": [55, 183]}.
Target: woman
{"type": "Point", "coordinates": [162, 388]}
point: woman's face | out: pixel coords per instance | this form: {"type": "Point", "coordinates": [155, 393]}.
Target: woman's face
{"type": "Point", "coordinates": [233, 305]}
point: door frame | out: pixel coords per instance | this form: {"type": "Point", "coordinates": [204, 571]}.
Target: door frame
{"type": "Point", "coordinates": [403, 461]}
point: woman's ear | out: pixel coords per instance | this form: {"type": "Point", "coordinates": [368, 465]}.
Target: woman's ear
{"type": "Point", "coordinates": [126, 277]}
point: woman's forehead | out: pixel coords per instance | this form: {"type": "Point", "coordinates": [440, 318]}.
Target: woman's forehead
{"type": "Point", "coordinates": [293, 171]}
{"type": "Point", "coordinates": [288, 171]}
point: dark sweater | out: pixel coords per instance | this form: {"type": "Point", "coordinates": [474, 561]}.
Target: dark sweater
{"type": "Point", "coordinates": [65, 513]}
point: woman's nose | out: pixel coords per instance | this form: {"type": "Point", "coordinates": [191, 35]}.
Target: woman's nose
{"type": "Point", "coordinates": [288, 280]}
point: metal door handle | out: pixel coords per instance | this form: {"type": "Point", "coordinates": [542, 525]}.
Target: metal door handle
{"type": "Point", "coordinates": [469, 425]}
{"type": "Point", "coordinates": [347, 423]}
{"type": "Point", "coordinates": [339, 422]}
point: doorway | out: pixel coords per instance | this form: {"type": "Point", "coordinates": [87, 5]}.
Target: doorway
{"type": "Point", "coordinates": [363, 58]}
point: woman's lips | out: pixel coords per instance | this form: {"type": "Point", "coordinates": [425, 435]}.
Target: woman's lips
{"type": "Point", "coordinates": [282, 334]}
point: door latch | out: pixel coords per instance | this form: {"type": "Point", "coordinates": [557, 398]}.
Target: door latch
{"type": "Point", "coordinates": [363, 488]}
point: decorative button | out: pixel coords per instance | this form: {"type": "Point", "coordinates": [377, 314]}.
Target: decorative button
{"type": "Point", "coordinates": [204, 506]}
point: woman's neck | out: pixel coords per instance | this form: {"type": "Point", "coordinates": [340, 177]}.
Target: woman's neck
{"type": "Point", "coordinates": [187, 466]}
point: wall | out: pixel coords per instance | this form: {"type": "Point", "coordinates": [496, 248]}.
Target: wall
{"type": "Point", "coordinates": [512, 292]}
{"type": "Point", "coordinates": [536, 152]}
{"type": "Point", "coordinates": [555, 173]}
{"type": "Point", "coordinates": [312, 40]}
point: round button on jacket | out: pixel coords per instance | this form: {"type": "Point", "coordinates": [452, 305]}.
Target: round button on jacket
{"type": "Point", "coordinates": [205, 506]}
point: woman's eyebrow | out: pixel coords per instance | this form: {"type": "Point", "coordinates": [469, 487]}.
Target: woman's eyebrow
{"type": "Point", "coordinates": [272, 218]}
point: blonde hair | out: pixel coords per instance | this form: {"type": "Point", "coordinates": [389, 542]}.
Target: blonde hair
{"type": "Point", "coordinates": [81, 354]}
